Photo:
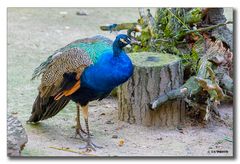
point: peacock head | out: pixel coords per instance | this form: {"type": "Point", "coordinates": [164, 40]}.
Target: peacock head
{"type": "Point", "coordinates": [121, 41]}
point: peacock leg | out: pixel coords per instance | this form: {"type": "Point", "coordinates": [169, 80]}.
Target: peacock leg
{"type": "Point", "coordinates": [78, 127]}
{"type": "Point", "coordinates": [90, 145]}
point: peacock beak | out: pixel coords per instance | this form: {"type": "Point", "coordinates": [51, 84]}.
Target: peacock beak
{"type": "Point", "coordinates": [128, 46]}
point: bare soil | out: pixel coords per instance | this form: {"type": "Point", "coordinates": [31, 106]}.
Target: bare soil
{"type": "Point", "coordinates": [34, 34]}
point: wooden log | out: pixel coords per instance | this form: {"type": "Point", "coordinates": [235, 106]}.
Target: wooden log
{"type": "Point", "coordinates": [154, 74]}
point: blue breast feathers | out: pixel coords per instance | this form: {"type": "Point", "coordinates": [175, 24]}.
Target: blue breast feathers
{"type": "Point", "coordinates": [109, 72]}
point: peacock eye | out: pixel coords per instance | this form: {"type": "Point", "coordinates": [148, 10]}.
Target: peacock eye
{"type": "Point", "coordinates": [123, 41]}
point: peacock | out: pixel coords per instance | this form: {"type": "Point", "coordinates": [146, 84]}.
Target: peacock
{"type": "Point", "coordinates": [85, 70]}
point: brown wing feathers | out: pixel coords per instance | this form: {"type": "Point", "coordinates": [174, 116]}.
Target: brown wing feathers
{"type": "Point", "coordinates": [54, 88]}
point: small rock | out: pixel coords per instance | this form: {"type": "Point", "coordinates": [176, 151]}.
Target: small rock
{"type": "Point", "coordinates": [180, 128]}
{"type": "Point", "coordinates": [115, 136]}
{"type": "Point", "coordinates": [160, 138]}
{"type": "Point", "coordinates": [16, 136]}
{"type": "Point", "coordinates": [108, 106]}
{"type": "Point", "coordinates": [181, 131]}
{"type": "Point", "coordinates": [102, 114]}
{"type": "Point", "coordinates": [109, 122]}
{"type": "Point", "coordinates": [14, 112]}
{"type": "Point", "coordinates": [81, 13]}
{"type": "Point", "coordinates": [64, 119]}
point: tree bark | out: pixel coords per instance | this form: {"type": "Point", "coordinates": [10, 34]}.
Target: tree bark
{"type": "Point", "coordinates": [154, 75]}
{"type": "Point", "coordinates": [216, 16]}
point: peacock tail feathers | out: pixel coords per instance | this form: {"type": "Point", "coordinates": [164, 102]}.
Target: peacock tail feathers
{"type": "Point", "coordinates": [44, 108]}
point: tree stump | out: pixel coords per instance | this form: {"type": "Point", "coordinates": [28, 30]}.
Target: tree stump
{"type": "Point", "coordinates": [154, 74]}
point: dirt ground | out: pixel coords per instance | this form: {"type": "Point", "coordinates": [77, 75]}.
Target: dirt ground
{"type": "Point", "coordinates": [34, 34]}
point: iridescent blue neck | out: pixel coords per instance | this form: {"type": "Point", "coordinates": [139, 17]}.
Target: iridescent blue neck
{"type": "Point", "coordinates": [117, 50]}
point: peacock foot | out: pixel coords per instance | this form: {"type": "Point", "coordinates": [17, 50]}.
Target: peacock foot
{"type": "Point", "coordinates": [90, 146]}
{"type": "Point", "coordinates": [80, 132]}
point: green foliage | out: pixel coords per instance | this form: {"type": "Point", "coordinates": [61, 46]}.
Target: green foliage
{"type": "Point", "coordinates": [193, 16]}
{"type": "Point", "coordinates": [194, 59]}
{"type": "Point", "coordinates": [167, 33]}
{"type": "Point", "coordinates": [182, 32]}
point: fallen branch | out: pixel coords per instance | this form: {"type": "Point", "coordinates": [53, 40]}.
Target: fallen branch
{"type": "Point", "coordinates": [190, 88]}
{"type": "Point", "coordinates": [181, 35]}
{"type": "Point", "coordinates": [72, 151]}
{"type": "Point", "coordinates": [119, 27]}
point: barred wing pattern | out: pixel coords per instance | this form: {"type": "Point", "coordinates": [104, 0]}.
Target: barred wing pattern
{"type": "Point", "coordinates": [73, 60]}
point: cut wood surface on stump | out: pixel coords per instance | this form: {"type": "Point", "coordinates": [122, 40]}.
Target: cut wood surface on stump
{"type": "Point", "coordinates": [154, 74]}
